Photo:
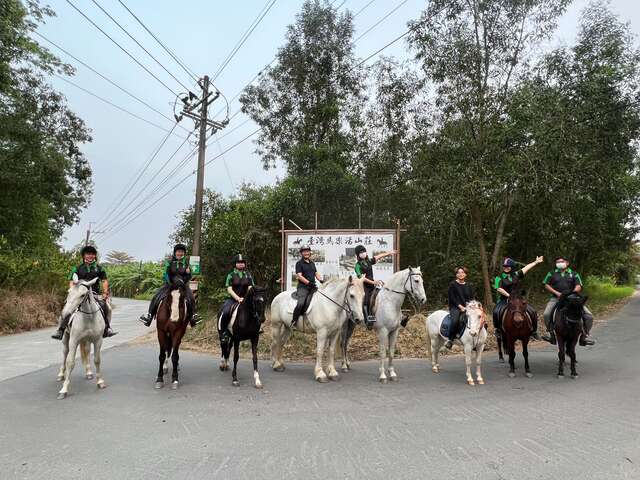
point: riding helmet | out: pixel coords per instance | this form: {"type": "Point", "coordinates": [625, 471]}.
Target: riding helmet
{"type": "Point", "coordinates": [180, 246]}
{"type": "Point", "coordinates": [509, 262]}
{"type": "Point", "coordinates": [561, 257]}
{"type": "Point", "coordinates": [360, 249]}
{"type": "Point", "coordinates": [239, 258]}
{"type": "Point", "coordinates": [305, 247]}
{"type": "Point", "coordinates": [88, 249]}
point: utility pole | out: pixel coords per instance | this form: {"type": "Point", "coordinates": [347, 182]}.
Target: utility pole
{"type": "Point", "coordinates": [88, 236]}
{"type": "Point", "coordinates": [202, 123]}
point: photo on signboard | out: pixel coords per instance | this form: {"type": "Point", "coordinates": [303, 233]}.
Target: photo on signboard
{"type": "Point", "coordinates": [388, 259]}
{"type": "Point", "coordinates": [318, 256]}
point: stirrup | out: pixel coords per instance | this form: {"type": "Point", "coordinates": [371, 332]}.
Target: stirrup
{"type": "Point", "coordinates": [404, 321]}
{"type": "Point", "coordinates": [145, 320]}
{"type": "Point", "coordinates": [59, 334]}
{"type": "Point", "coordinates": [108, 333]}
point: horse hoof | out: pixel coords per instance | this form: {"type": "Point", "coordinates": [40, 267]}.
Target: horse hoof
{"type": "Point", "coordinates": [174, 385]}
{"type": "Point", "coordinates": [345, 369]}
{"type": "Point", "coordinates": [471, 382]}
{"type": "Point", "coordinates": [480, 381]}
{"type": "Point", "coordinates": [501, 360]}
{"type": "Point", "coordinates": [529, 375]}
{"type": "Point", "coordinates": [334, 378]}
{"type": "Point", "coordinates": [561, 377]}
{"type": "Point", "coordinates": [279, 368]}
{"type": "Point", "coordinates": [159, 385]}
{"type": "Point", "coordinates": [575, 377]}
{"type": "Point", "coordinates": [235, 383]}
{"type": "Point", "coordinates": [384, 380]}
{"type": "Point", "coordinates": [60, 378]}
{"type": "Point", "coordinates": [89, 376]}
{"type": "Point", "coordinates": [221, 367]}
{"type": "Point", "coordinates": [512, 374]}
{"type": "Point", "coordinates": [101, 386]}
{"type": "Point", "coordinates": [393, 378]}
{"type": "Point", "coordinates": [322, 379]}
{"type": "Point", "coordinates": [62, 396]}
{"type": "Point", "coordinates": [259, 386]}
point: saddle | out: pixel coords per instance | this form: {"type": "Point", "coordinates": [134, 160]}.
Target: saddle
{"type": "Point", "coordinates": [307, 304]}
{"type": "Point", "coordinates": [446, 326]}
{"type": "Point", "coordinates": [232, 317]}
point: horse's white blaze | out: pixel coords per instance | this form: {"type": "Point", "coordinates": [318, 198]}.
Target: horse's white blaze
{"type": "Point", "coordinates": [175, 306]}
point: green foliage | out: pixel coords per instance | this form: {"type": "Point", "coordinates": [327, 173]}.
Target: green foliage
{"type": "Point", "coordinates": [139, 280]}
{"type": "Point", "coordinates": [603, 292]}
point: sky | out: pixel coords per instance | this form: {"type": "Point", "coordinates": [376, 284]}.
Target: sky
{"type": "Point", "coordinates": [201, 33]}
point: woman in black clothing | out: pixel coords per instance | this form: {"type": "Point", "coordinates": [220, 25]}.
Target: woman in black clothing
{"type": "Point", "coordinates": [459, 294]}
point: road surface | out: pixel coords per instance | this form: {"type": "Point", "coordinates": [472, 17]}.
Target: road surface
{"type": "Point", "coordinates": [425, 426]}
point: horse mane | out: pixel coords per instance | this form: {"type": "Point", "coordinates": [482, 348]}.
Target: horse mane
{"type": "Point", "coordinates": [398, 277]}
{"type": "Point", "coordinates": [474, 304]}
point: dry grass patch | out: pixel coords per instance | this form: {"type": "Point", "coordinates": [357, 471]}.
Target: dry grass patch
{"type": "Point", "coordinates": [24, 311]}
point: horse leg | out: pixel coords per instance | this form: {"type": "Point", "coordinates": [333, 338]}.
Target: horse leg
{"type": "Point", "coordinates": [69, 364]}
{"type": "Point", "coordinates": [435, 351]}
{"type": "Point", "coordinates": [321, 339]}
{"type": "Point", "coordinates": [347, 331]}
{"type": "Point", "coordinates": [84, 355]}
{"type": "Point", "coordinates": [512, 356]}
{"type": "Point", "coordinates": [479, 350]}
{"type": "Point", "coordinates": [236, 357]}
{"type": "Point", "coordinates": [393, 338]}
{"type": "Point", "coordinates": [254, 353]}
{"type": "Point", "coordinates": [280, 334]}
{"type": "Point", "coordinates": [561, 346]}
{"type": "Point", "coordinates": [331, 365]}
{"type": "Point", "coordinates": [225, 350]}
{"type": "Point", "coordinates": [525, 354]}
{"type": "Point", "coordinates": [175, 360]}
{"type": "Point", "coordinates": [468, 348]}
{"type": "Point", "coordinates": [500, 355]}
{"type": "Point", "coordinates": [161, 359]}
{"type": "Point", "coordinates": [65, 353]}
{"type": "Point", "coordinates": [572, 356]}
{"type": "Point", "coordinates": [97, 360]}
{"type": "Point", "coordinates": [383, 339]}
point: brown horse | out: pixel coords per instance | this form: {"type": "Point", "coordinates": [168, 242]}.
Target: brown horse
{"type": "Point", "coordinates": [171, 324]}
{"type": "Point", "coordinates": [517, 325]}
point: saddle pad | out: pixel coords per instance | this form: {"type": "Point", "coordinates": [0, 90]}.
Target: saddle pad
{"type": "Point", "coordinates": [234, 314]}
{"type": "Point", "coordinates": [445, 327]}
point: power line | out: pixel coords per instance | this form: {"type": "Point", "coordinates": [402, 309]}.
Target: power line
{"type": "Point", "coordinates": [244, 38]}
{"type": "Point", "coordinates": [128, 189]}
{"type": "Point", "coordinates": [117, 106]}
{"type": "Point", "coordinates": [363, 9]}
{"type": "Point", "coordinates": [381, 20]}
{"type": "Point", "coordinates": [139, 44]}
{"type": "Point", "coordinates": [106, 78]}
{"type": "Point", "coordinates": [121, 47]}
{"type": "Point", "coordinates": [181, 182]}
{"type": "Point", "coordinates": [166, 49]}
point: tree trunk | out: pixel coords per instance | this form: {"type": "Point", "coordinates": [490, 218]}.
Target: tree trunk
{"type": "Point", "coordinates": [500, 232]}
{"type": "Point", "coordinates": [476, 218]}
{"type": "Point", "coordinates": [450, 241]}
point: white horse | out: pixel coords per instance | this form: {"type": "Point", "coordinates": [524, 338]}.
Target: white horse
{"type": "Point", "coordinates": [86, 327]}
{"type": "Point", "coordinates": [473, 338]}
{"type": "Point", "coordinates": [331, 305]}
{"type": "Point", "coordinates": [388, 315]}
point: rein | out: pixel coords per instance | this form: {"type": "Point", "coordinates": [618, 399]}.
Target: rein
{"type": "Point", "coordinates": [344, 301]}
{"type": "Point", "coordinates": [406, 290]}
{"type": "Point", "coordinates": [86, 297]}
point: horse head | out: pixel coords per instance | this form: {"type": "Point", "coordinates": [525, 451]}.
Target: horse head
{"type": "Point", "coordinates": [517, 307]}
{"type": "Point", "coordinates": [354, 297]}
{"type": "Point", "coordinates": [573, 305]}
{"type": "Point", "coordinates": [255, 297]}
{"type": "Point", "coordinates": [416, 285]}
{"type": "Point", "coordinates": [78, 293]}
{"type": "Point", "coordinates": [475, 317]}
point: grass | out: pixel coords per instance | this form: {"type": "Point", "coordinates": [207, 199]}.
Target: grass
{"type": "Point", "coordinates": [24, 311]}
{"type": "Point", "coordinates": [604, 294]}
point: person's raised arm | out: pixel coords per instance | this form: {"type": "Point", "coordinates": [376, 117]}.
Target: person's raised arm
{"type": "Point", "coordinates": [529, 266]}
{"type": "Point", "coordinates": [384, 254]}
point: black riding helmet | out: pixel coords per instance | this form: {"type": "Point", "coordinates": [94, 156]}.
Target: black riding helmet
{"type": "Point", "coordinates": [360, 249]}
{"type": "Point", "coordinates": [305, 248]}
{"type": "Point", "coordinates": [180, 246]}
{"type": "Point", "coordinates": [88, 249]}
{"type": "Point", "coordinates": [239, 258]}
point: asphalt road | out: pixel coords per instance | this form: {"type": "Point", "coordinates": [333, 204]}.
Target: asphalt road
{"type": "Point", "coordinates": [424, 427]}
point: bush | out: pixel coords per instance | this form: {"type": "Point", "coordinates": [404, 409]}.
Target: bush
{"type": "Point", "coordinates": [135, 280]}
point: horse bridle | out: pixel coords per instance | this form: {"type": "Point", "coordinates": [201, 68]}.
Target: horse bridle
{"type": "Point", "coordinates": [86, 297]}
{"type": "Point", "coordinates": [410, 291]}
{"type": "Point", "coordinates": [344, 301]}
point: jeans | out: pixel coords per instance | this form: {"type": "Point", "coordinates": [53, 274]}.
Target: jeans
{"type": "Point", "coordinates": [587, 316]}
{"type": "Point", "coordinates": [455, 322]}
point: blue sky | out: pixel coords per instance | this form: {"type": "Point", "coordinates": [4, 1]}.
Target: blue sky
{"type": "Point", "coordinates": [201, 33]}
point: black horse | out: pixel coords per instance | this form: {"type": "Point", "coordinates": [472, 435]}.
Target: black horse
{"type": "Point", "coordinates": [567, 319]}
{"type": "Point", "coordinates": [249, 316]}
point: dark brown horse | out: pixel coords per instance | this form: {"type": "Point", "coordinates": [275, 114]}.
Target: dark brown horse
{"type": "Point", "coordinates": [517, 325]}
{"type": "Point", "coordinates": [171, 324]}
{"type": "Point", "coordinates": [567, 320]}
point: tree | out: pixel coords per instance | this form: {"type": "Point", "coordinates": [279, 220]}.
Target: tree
{"type": "Point", "coordinates": [117, 257]}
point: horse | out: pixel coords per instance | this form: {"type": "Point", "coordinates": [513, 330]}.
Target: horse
{"type": "Point", "coordinates": [86, 327]}
{"type": "Point", "coordinates": [171, 325]}
{"type": "Point", "coordinates": [245, 325]}
{"type": "Point", "coordinates": [567, 319]}
{"type": "Point", "coordinates": [473, 338]}
{"type": "Point", "coordinates": [334, 302]}
{"type": "Point", "coordinates": [516, 325]}
{"type": "Point", "coordinates": [388, 315]}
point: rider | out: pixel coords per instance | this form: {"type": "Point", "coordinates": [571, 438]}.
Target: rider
{"type": "Point", "coordinates": [307, 274]}
{"type": "Point", "coordinates": [88, 270]}
{"type": "Point", "coordinates": [460, 292]}
{"type": "Point", "coordinates": [563, 281]}
{"type": "Point", "coordinates": [176, 271]}
{"type": "Point", "coordinates": [237, 282]}
{"type": "Point", "coordinates": [364, 267]}
{"type": "Point", "coordinates": [505, 284]}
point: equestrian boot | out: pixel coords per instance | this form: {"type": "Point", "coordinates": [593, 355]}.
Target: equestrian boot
{"type": "Point", "coordinates": [448, 344]}
{"type": "Point", "coordinates": [404, 320]}
{"type": "Point", "coordinates": [549, 337]}
{"type": "Point", "coordinates": [107, 328]}
{"type": "Point", "coordinates": [498, 333]}
{"type": "Point", "coordinates": [146, 319]}
{"type": "Point", "coordinates": [586, 340]}
{"type": "Point", "coordinates": [225, 337]}
{"type": "Point", "coordinates": [194, 320]}
{"type": "Point", "coordinates": [64, 322]}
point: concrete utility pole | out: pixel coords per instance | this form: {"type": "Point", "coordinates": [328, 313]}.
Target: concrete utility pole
{"type": "Point", "coordinates": [202, 123]}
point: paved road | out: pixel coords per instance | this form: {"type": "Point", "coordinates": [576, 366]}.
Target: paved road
{"type": "Point", "coordinates": [25, 352]}
{"type": "Point", "coordinates": [423, 427]}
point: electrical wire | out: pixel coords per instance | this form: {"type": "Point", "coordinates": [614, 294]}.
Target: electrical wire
{"type": "Point", "coordinates": [391, 12]}
{"type": "Point", "coordinates": [121, 47]}
{"type": "Point", "coordinates": [166, 49]}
